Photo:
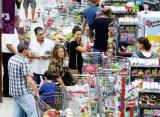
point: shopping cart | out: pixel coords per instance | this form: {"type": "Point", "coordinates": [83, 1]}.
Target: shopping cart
{"type": "Point", "coordinates": [83, 96]}
{"type": "Point", "coordinates": [110, 84]}
{"type": "Point", "coordinates": [91, 61]}
{"type": "Point", "coordinates": [52, 100]}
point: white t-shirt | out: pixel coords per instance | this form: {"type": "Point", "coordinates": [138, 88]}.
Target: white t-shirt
{"type": "Point", "coordinates": [10, 39]}
{"type": "Point", "coordinates": [39, 66]}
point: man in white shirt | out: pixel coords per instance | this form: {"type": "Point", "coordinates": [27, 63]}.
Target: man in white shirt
{"type": "Point", "coordinates": [40, 54]}
{"type": "Point", "coordinates": [9, 48]}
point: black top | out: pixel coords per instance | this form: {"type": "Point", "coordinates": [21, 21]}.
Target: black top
{"type": "Point", "coordinates": [100, 25]}
{"type": "Point", "coordinates": [75, 56]}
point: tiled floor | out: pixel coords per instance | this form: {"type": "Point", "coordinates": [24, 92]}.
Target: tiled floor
{"type": "Point", "coordinates": [6, 107]}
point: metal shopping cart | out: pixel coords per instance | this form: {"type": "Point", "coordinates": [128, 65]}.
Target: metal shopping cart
{"type": "Point", "coordinates": [83, 96]}
{"type": "Point", "coordinates": [91, 61]}
{"type": "Point", "coordinates": [111, 84]}
{"type": "Point", "coordinates": [52, 100]}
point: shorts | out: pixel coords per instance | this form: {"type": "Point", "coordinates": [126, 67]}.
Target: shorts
{"type": "Point", "coordinates": [31, 2]}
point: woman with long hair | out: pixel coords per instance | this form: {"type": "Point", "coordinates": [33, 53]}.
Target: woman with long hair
{"type": "Point", "coordinates": [57, 65]}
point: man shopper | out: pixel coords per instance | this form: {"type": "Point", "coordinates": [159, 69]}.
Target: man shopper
{"type": "Point", "coordinates": [9, 48]}
{"type": "Point", "coordinates": [21, 83]}
{"type": "Point", "coordinates": [41, 50]}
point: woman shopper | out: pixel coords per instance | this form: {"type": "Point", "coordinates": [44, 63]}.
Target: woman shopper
{"type": "Point", "coordinates": [144, 47]}
{"type": "Point", "coordinates": [57, 65]}
{"type": "Point", "coordinates": [76, 48]}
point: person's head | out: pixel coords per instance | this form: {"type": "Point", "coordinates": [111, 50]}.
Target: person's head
{"type": "Point", "coordinates": [59, 52]}
{"type": "Point", "coordinates": [23, 48]}
{"type": "Point", "coordinates": [143, 44]}
{"type": "Point", "coordinates": [16, 21]}
{"type": "Point", "coordinates": [49, 75]}
{"type": "Point", "coordinates": [77, 33]}
{"type": "Point", "coordinates": [39, 32]}
{"type": "Point", "coordinates": [107, 11]}
{"type": "Point", "coordinates": [96, 2]}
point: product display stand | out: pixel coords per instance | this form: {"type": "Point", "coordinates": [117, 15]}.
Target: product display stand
{"type": "Point", "coordinates": [144, 87]}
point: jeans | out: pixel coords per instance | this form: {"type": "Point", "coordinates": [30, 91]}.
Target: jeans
{"type": "Point", "coordinates": [24, 106]}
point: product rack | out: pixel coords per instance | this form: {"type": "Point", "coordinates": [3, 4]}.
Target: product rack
{"type": "Point", "coordinates": [147, 103]}
{"type": "Point", "coordinates": [127, 33]}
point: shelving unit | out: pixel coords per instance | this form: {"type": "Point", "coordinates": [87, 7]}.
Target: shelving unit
{"type": "Point", "coordinates": [143, 72]}
{"type": "Point", "coordinates": [150, 102]}
{"type": "Point", "coordinates": [126, 37]}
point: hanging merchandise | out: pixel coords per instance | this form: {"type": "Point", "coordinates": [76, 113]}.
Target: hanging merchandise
{"type": "Point", "coordinates": [24, 31]}
{"type": "Point", "coordinates": [111, 42]}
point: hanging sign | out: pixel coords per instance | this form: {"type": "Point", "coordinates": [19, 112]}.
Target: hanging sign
{"type": "Point", "coordinates": [8, 11]}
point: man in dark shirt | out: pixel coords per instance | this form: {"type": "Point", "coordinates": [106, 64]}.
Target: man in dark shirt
{"type": "Point", "coordinates": [100, 25]}
{"type": "Point", "coordinates": [90, 13]}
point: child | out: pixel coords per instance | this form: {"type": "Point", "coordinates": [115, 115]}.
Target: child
{"type": "Point", "coordinates": [48, 89]}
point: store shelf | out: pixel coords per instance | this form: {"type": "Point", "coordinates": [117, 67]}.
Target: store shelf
{"type": "Point", "coordinates": [125, 43]}
{"type": "Point", "coordinates": [152, 77]}
{"type": "Point", "coordinates": [149, 106]}
{"type": "Point", "coordinates": [149, 91]}
{"type": "Point", "coordinates": [127, 24]}
{"type": "Point", "coordinates": [125, 53]}
{"type": "Point", "coordinates": [119, 1]}
{"type": "Point", "coordinates": [141, 66]}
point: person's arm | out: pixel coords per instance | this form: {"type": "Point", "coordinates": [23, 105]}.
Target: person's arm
{"type": "Point", "coordinates": [60, 81]}
{"type": "Point", "coordinates": [25, 71]}
{"type": "Point", "coordinates": [11, 48]}
{"type": "Point", "coordinates": [83, 25]}
{"type": "Point", "coordinates": [32, 84]}
{"type": "Point", "coordinates": [81, 48]}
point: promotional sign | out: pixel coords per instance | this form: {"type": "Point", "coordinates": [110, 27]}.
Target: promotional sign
{"type": "Point", "coordinates": [152, 26]}
{"type": "Point", "coordinates": [8, 10]}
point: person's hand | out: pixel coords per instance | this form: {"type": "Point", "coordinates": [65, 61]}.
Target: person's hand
{"type": "Point", "coordinates": [44, 57]}
{"type": "Point", "coordinates": [37, 56]}
{"type": "Point", "coordinates": [67, 89]}
{"type": "Point", "coordinates": [36, 94]}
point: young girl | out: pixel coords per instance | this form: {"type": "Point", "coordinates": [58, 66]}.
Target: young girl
{"type": "Point", "coordinates": [76, 49]}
